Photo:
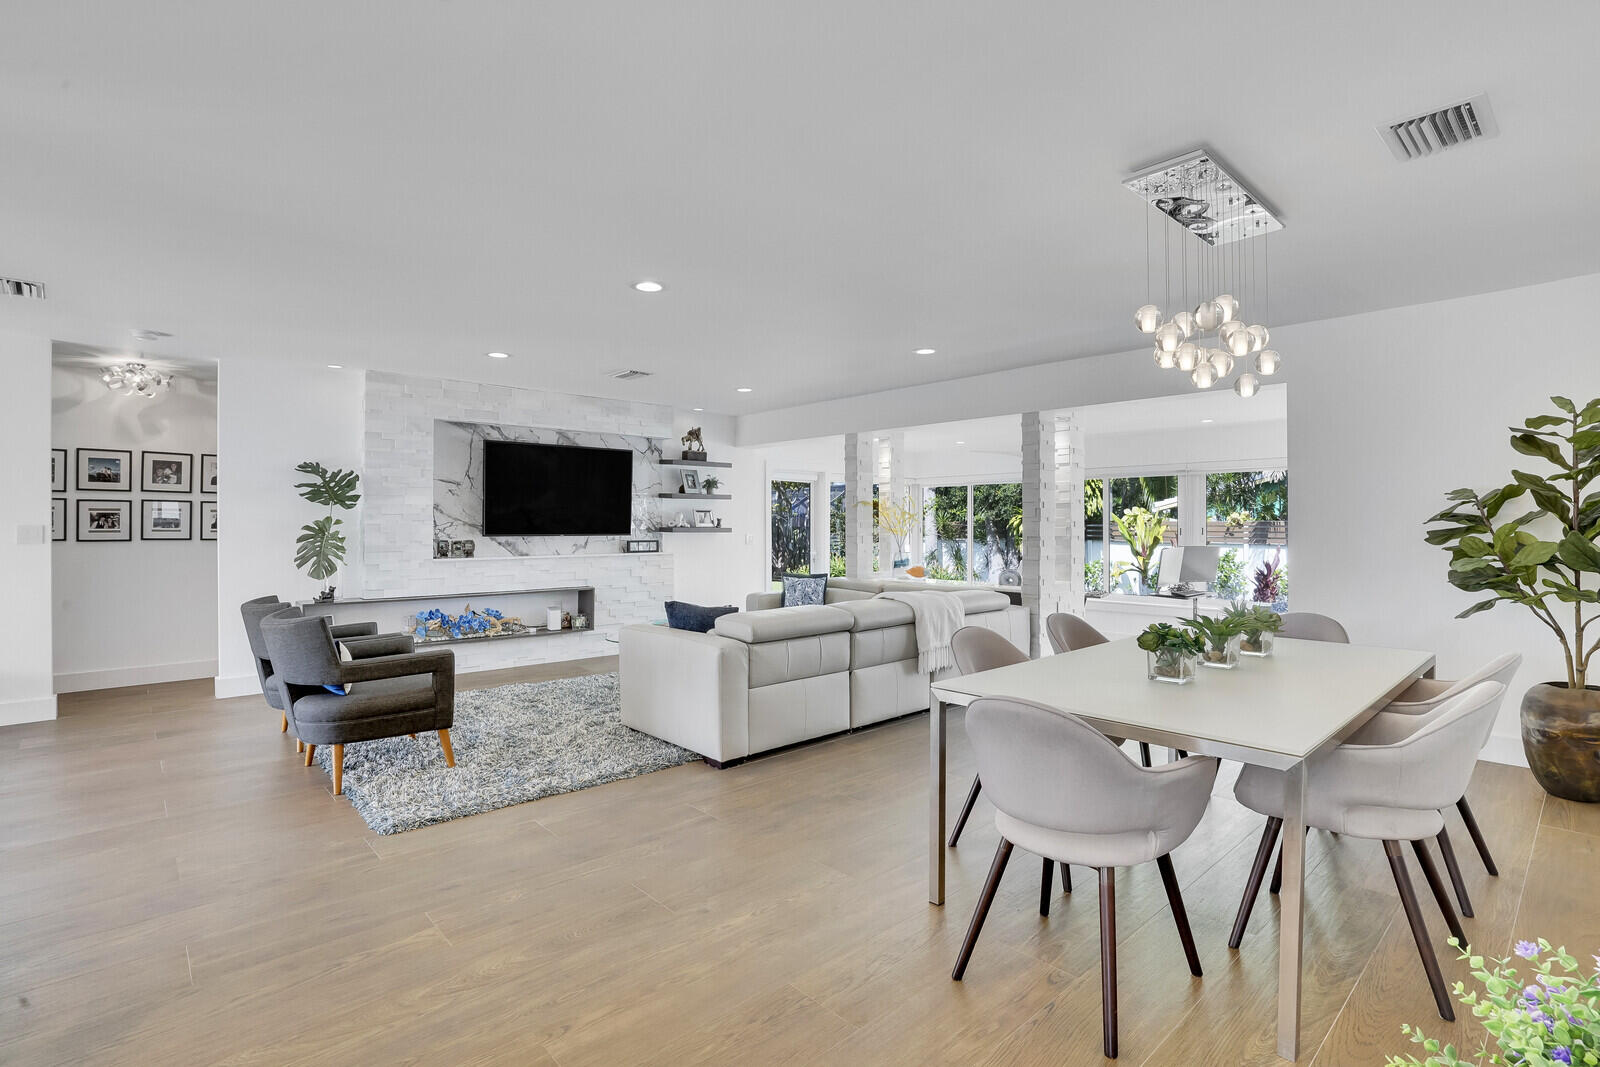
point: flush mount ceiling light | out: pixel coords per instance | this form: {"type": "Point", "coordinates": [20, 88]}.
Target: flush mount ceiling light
{"type": "Point", "coordinates": [499, 355]}
{"type": "Point", "coordinates": [924, 352]}
{"type": "Point", "coordinates": [1198, 195]}
{"type": "Point", "coordinates": [648, 286]}
{"type": "Point", "coordinates": [135, 379]}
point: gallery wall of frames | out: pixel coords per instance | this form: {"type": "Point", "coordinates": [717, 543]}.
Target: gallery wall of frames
{"type": "Point", "coordinates": [134, 516]}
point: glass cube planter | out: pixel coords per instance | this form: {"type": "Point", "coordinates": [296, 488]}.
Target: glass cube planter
{"type": "Point", "coordinates": [1223, 659]}
{"type": "Point", "coordinates": [1260, 647]}
{"type": "Point", "coordinates": [1174, 668]}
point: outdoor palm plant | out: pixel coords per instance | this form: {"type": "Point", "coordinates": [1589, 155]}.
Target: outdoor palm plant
{"type": "Point", "coordinates": [1144, 530]}
{"type": "Point", "coordinates": [320, 548]}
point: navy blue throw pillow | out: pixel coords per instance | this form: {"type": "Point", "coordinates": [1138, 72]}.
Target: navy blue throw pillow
{"type": "Point", "coordinates": [682, 616]}
{"type": "Point", "coordinates": [804, 589]}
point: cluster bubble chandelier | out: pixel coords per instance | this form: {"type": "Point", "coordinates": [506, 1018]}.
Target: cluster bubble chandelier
{"type": "Point", "coordinates": [135, 379]}
{"type": "Point", "coordinates": [1212, 337]}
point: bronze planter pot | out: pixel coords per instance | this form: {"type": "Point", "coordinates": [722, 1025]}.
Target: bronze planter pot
{"type": "Point", "coordinates": [1561, 736]}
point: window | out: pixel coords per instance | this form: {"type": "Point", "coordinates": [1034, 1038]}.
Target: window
{"type": "Point", "coordinates": [1147, 506]}
{"type": "Point", "coordinates": [944, 526]}
{"type": "Point", "coordinates": [836, 565]}
{"type": "Point", "coordinates": [996, 532]}
{"type": "Point", "coordinates": [972, 532]}
{"type": "Point", "coordinates": [1248, 511]}
{"type": "Point", "coordinates": [791, 528]}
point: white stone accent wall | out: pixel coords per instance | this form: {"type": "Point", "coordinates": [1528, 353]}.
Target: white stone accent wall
{"type": "Point", "coordinates": [1040, 500]}
{"type": "Point", "coordinates": [858, 492]}
{"type": "Point", "coordinates": [397, 511]}
{"type": "Point", "coordinates": [1070, 521]}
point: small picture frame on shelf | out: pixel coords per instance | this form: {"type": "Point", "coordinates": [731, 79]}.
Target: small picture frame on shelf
{"type": "Point", "coordinates": [208, 520]}
{"type": "Point", "coordinates": [105, 470]}
{"type": "Point", "coordinates": [58, 518]}
{"type": "Point", "coordinates": [208, 472]}
{"type": "Point", "coordinates": [166, 520]}
{"type": "Point", "coordinates": [58, 470]}
{"type": "Point", "coordinates": [690, 481]}
{"type": "Point", "coordinates": [105, 520]}
{"type": "Point", "coordinates": [702, 517]}
{"type": "Point", "coordinates": [167, 472]}
{"type": "Point", "coordinates": [441, 549]}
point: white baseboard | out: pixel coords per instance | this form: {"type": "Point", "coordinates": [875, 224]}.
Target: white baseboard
{"type": "Point", "coordinates": [237, 685]}
{"type": "Point", "coordinates": [117, 677]}
{"type": "Point", "coordinates": [1505, 748]}
{"type": "Point", "coordinates": [38, 709]}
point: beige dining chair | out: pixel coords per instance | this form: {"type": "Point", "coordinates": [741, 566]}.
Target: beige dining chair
{"type": "Point", "coordinates": [1389, 793]}
{"type": "Point", "coordinates": [1309, 626]}
{"type": "Point", "coordinates": [1423, 700]}
{"type": "Point", "coordinates": [1068, 633]}
{"type": "Point", "coordinates": [1063, 791]}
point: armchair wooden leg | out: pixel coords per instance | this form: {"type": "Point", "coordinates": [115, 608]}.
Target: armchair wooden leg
{"type": "Point", "coordinates": [285, 727]}
{"type": "Point", "coordinates": [1066, 877]}
{"type": "Point", "coordinates": [449, 753]}
{"type": "Point", "coordinates": [412, 736]}
{"type": "Point", "coordinates": [1044, 886]}
{"type": "Point", "coordinates": [299, 745]}
{"type": "Point", "coordinates": [1180, 915]}
{"type": "Point", "coordinates": [1447, 850]}
{"type": "Point", "coordinates": [1252, 887]}
{"type": "Point", "coordinates": [1477, 836]}
{"type": "Point", "coordinates": [996, 869]}
{"type": "Point", "coordinates": [966, 810]}
{"type": "Point", "coordinates": [1419, 929]}
{"type": "Point", "coordinates": [338, 770]}
{"type": "Point", "coordinates": [1108, 960]}
{"type": "Point", "coordinates": [1440, 894]}
{"type": "Point", "coordinates": [311, 750]}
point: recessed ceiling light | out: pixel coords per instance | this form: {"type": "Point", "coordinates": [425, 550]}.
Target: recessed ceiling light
{"type": "Point", "coordinates": [960, 442]}
{"type": "Point", "coordinates": [697, 409]}
{"type": "Point", "coordinates": [743, 389]}
{"type": "Point", "coordinates": [925, 351]}
{"type": "Point", "coordinates": [499, 355]}
{"type": "Point", "coordinates": [336, 366]}
{"type": "Point", "coordinates": [648, 286]}
{"type": "Point", "coordinates": [1208, 420]}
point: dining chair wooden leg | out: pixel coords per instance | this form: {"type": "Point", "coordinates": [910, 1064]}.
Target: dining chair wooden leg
{"type": "Point", "coordinates": [1108, 960]}
{"type": "Point", "coordinates": [1180, 915]}
{"type": "Point", "coordinates": [1447, 850]}
{"type": "Point", "coordinates": [311, 750]}
{"type": "Point", "coordinates": [1419, 929]}
{"type": "Point", "coordinates": [1066, 877]}
{"type": "Point", "coordinates": [338, 770]}
{"type": "Point", "coordinates": [449, 753]}
{"type": "Point", "coordinates": [1044, 886]}
{"type": "Point", "coordinates": [966, 810]}
{"type": "Point", "coordinates": [996, 869]}
{"type": "Point", "coordinates": [1440, 893]}
{"type": "Point", "coordinates": [1277, 871]}
{"type": "Point", "coordinates": [1252, 886]}
{"type": "Point", "coordinates": [285, 727]}
{"type": "Point", "coordinates": [1144, 753]}
{"type": "Point", "coordinates": [1477, 836]}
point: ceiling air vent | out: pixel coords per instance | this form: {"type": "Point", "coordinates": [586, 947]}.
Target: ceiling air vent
{"type": "Point", "coordinates": [1435, 131]}
{"type": "Point", "coordinates": [16, 287]}
{"type": "Point", "coordinates": [629, 375]}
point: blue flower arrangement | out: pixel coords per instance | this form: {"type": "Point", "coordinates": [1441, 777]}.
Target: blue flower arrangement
{"type": "Point", "coordinates": [435, 625]}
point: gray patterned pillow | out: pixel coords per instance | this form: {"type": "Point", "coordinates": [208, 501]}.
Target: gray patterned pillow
{"type": "Point", "coordinates": [804, 589]}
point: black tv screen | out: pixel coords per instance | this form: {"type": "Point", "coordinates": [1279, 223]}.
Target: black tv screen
{"type": "Point", "coordinates": [532, 490]}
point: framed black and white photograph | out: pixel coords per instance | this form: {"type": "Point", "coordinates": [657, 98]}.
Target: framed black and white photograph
{"type": "Point", "coordinates": [208, 472]}
{"type": "Point", "coordinates": [167, 472]}
{"type": "Point", "coordinates": [691, 481]}
{"type": "Point", "coordinates": [105, 520]}
{"type": "Point", "coordinates": [105, 470]}
{"type": "Point", "coordinates": [167, 520]}
{"type": "Point", "coordinates": [702, 517]}
{"type": "Point", "coordinates": [58, 518]}
{"type": "Point", "coordinates": [58, 470]}
{"type": "Point", "coordinates": [208, 520]}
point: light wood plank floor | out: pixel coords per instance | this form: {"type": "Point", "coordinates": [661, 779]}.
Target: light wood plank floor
{"type": "Point", "coordinates": [176, 888]}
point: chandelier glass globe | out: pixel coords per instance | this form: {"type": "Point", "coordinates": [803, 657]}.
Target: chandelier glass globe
{"type": "Point", "coordinates": [1185, 321]}
{"type": "Point", "coordinates": [1208, 315]}
{"type": "Point", "coordinates": [1238, 342]}
{"type": "Point", "coordinates": [1220, 361]}
{"type": "Point", "coordinates": [1246, 385]}
{"type": "Point", "coordinates": [1267, 361]}
{"type": "Point", "coordinates": [1187, 356]}
{"type": "Point", "coordinates": [1229, 306]}
{"type": "Point", "coordinates": [1204, 376]}
{"type": "Point", "coordinates": [1168, 337]}
{"type": "Point", "coordinates": [1147, 318]}
{"type": "Point", "coordinates": [1258, 338]}
{"type": "Point", "coordinates": [1166, 360]}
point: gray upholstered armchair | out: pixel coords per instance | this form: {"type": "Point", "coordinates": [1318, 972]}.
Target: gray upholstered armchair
{"type": "Point", "coordinates": [362, 638]}
{"type": "Point", "coordinates": [385, 695]}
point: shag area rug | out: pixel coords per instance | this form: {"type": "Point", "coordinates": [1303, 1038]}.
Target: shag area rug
{"type": "Point", "coordinates": [513, 743]}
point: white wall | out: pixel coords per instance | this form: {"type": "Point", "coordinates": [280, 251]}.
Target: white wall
{"type": "Point", "coordinates": [1238, 446]}
{"type": "Point", "coordinates": [26, 692]}
{"type": "Point", "coordinates": [718, 569]}
{"type": "Point", "coordinates": [270, 418]}
{"type": "Point", "coordinates": [135, 612]}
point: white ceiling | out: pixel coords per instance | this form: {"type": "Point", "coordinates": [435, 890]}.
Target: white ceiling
{"type": "Point", "coordinates": [822, 188]}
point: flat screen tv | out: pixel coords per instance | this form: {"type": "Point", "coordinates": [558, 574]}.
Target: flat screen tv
{"type": "Point", "coordinates": [532, 490]}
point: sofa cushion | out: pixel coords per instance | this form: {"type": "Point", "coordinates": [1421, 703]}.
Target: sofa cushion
{"type": "Point", "coordinates": [801, 589]}
{"type": "Point", "coordinates": [685, 616]}
{"type": "Point", "coordinates": [772, 662]}
{"type": "Point", "coordinates": [860, 585]}
{"type": "Point", "coordinates": [780, 624]}
{"type": "Point", "coordinates": [412, 692]}
{"type": "Point", "coordinates": [979, 601]}
{"type": "Point", "coordinates": [874, 614]}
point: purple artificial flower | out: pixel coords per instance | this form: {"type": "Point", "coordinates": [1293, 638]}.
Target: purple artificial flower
{"type": "Point", "coordinates": [1562, 1053]}
{"type": "Point", "coordinates": [1526, 949]}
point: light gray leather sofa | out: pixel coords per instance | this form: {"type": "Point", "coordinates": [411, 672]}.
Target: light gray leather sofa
{"type": "Point", "coordinates": [772, 676]}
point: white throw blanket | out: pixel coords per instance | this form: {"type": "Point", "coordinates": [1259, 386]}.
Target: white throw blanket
{"type": "Point", "coordinates": [938, 616]}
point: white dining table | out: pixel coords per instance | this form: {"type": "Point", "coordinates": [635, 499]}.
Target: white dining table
{"type": "Point", "coordinates": [1278, 711]}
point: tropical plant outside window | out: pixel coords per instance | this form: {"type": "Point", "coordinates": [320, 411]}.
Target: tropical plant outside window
{"type": "Point", "coordinates": [1123, 566]}
{"type": "Point", "coordinates": [944, 539]}
{"type": "Point", "coordinates": [972, 532]}
{"type": "Point", "coordinates": [996, 530]}
{"type": "Point", "coordinates": [791, 528]}
{"type": "Point", "coordinates": [836, 558]}
{"type": "Point", "coordinates": [1248, 512]}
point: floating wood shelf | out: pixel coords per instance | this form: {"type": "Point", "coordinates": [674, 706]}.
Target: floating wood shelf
{"type": "Point", "coordinates": [696, 529]}
{"type": "Point", "coordinates": [695, 496]}
{"type": "Point", "coordinates": [694, 463]}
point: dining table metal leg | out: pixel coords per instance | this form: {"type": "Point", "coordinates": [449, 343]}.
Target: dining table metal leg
{"type": "Point", "coordinates": [1291, 910]}
{"type": "Point", "coordinates": [936, 803]}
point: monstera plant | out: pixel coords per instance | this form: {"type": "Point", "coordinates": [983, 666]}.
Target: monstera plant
{"type": "Point", "coordinates": [1546, 559]}
{"type": "Point", "coordinates": [319, 550]}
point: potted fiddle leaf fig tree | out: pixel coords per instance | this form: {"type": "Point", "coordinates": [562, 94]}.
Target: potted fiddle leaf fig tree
{"type": "Point", "coordinates": [319, 550]}
{"type": "Point", "coordinates": [1546, 559]}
